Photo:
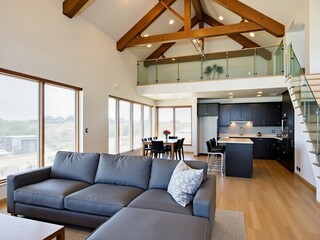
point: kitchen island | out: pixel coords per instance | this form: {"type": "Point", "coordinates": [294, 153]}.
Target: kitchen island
{"type": "Point", "coordinates": [238, 156]}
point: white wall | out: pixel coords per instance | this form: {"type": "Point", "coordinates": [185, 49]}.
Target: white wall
{"type": "Point", "coordinates": [37, 39]}
{"type": "Point", "coordinates": [314, 36]}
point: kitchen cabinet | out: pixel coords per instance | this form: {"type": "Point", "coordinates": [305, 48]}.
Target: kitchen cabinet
{"type": "Point", "coordinates": [266, 114]}
{"type": "Point", "coordinates": [264, 148]}
{"type": "Point", "coordinates": [208, 109]}
{"type": "Point", "coordinates": [224, 118]}
{"type": "Point", "coordinates": [240, 112]}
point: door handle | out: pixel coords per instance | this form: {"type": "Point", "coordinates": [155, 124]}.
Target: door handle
{"type": "Point", "coordinates": [292, 143]}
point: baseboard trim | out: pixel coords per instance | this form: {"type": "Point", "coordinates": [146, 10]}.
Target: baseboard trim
{"type": "Point", "coordinates": [309, 185]}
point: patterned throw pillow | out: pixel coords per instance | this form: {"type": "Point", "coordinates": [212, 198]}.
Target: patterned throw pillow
{"type": "Point", "coordinates": [184, 183]}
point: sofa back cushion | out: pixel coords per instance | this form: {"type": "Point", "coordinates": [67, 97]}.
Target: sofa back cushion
{"type": "Point", "coordinates": [162, 170]}
{"type": "Point", "coordinates": [124, 170]}
{"type": "Point", "coordinates": [75, 166]}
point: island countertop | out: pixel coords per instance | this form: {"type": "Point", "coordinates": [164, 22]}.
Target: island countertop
{"type": "Point", "coordinates": [235, 140]}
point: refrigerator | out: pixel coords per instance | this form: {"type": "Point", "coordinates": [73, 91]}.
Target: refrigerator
{"type": "Point", "coordinates": [208, 128]}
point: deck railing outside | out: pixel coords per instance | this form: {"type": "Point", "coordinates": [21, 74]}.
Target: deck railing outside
{"type": "Point", "coordinates": [253, 62]}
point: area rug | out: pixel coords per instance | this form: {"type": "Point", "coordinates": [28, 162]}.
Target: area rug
{"type": "Point", "coordinates": [229, 225]}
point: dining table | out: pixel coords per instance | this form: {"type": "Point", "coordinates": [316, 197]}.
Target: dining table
{"type": "Point", "coordinates": [166, 142]}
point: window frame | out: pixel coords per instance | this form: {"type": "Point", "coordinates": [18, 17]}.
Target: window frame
{"type": "Point", "coordinates": [174, 120]}
{"type": "Point", "coordinates": [42, 82]}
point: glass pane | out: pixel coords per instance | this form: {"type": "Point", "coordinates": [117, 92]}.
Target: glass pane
{"type": "Point", "coordinates": [165, 121]}
{"type": "Point", "coordinates": [183, 124]}
{"type": "Point", "coordinates": [136, 126]}
{"type": "Point", "coordinates": [59, 121]}
{"type": "Point", "coordinates": [112, 126]}
{"type": "Point", "coordinates": [147, 121]}
{"type": "Point", "coordinates": [19, 125]}
{"type": "Point", "coordinates": [124, 126]}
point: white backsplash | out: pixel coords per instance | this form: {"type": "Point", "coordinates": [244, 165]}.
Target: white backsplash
{"type": "Point", "coordinates": [247, 128]}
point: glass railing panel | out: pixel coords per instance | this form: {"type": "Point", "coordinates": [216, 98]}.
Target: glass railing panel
{"type": "Point", "coordinates": [215, 66]}
{"type": "Point", "coordinates": [241, 63]}
{"type": "Point", "coordinates": [224, 65]}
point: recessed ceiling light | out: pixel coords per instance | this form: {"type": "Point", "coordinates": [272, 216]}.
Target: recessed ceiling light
{"type": "Point", "coordinates": [260, 92]}
{"type": "Point", "coordinates": [258, 95]}
{"type": "Point", "coordinates": [149, 45]}
{"type": "Point", "coordinates": [252, 34]}
{"type": "Point", "coordinates": [173, 59]}
{"type": "Point", "coordinates": [146, 35]}
{"type": "Point", "coordinates": [230, 93]}
{"type": "Point", "coordinates": [171, 21]}
{"type": "Point", "coordinates": [221, 18]}
{"type": "Point", "coordinates": [230, 96]}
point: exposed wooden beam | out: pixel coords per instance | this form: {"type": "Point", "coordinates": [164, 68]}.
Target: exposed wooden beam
{"type": "Point", "coordinates": [245, 42]}
{"type": "Point", "coordinates": [197, 33]}
{"type": "Point", "coordinates": [244, 11]}
{"type": "Point", "coordinates": [187, 15]}
{"type": "Point", "coordinates": [210, 56]}
{"type": "Point", "coordinates": [198, 9]}
{"type": "Point", "coordinates": [142, 24]}
{"type": "Point", "coordinates": [173, 12]}
{"type": "Point", "coordinates": [164, 47]}
{"type": "Point", "coordinates": [72, 7]}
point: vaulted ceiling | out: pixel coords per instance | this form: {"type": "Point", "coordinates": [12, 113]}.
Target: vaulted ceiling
{"type": "Point", "coordinates": [134, 24]}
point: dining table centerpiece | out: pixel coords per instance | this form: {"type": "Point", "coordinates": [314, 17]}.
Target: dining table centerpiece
{"type": "Point", "coordinates": [166, 133]}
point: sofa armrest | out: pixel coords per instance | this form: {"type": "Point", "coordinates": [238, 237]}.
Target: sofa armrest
{"type": "Point", "coordinates": [22, 179]}
{"type": "Point", "coordinates": [204, 202]}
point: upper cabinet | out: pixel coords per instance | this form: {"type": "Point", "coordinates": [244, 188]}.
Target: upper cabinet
{"type": "Point", "coordinates": [267, 114]}
{"type": "Point", "coordinates": [208, 109]}
{"type": "Point", "coordinates": [262, 114]}
{"type": "Point", "coordinates": [240, 112]}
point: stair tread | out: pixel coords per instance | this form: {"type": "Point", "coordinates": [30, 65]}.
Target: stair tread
{"type": "Point", "coordinates": [317, 164]}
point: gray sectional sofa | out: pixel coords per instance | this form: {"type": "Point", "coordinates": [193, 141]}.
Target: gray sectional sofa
{"type": "Point", "coordinates": [87, 189]}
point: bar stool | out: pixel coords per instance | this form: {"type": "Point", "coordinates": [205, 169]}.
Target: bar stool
{"type": "Point", "coordinates": [213, 153]}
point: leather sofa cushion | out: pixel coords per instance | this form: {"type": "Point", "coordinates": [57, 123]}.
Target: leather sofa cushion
{"type": "Point", "coordinates": [124, 170]}
{"type": "Point", "coordinates": [161, 200]}
{"type": "Point", "coordinates": [75, 166]}
{"type": "Point", "coordinates": [144, 224]}
{"type": "Point", "coordinates": [101, 199]}
{"type": "Point", "coordinates": [162, 170]}
{"type": "Point", "coordinates": [49, 193]}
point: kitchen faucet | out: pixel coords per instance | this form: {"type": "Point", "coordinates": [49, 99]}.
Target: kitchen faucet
{"type": "Point", "coordinates": [241, 130]}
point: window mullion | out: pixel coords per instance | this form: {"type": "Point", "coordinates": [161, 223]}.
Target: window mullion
{"type": "Point", "coordinates": [41, 123]}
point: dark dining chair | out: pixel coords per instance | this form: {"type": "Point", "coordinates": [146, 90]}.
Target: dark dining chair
{"type": "Point", "coordinates": [147, 148]}
{"type": "Point", "coordinates": [177, 147]}
{"type": "Point", "coordinates": [173, 137]}
{"type": "Point", "coordinates": [158, 148]}
{"type": "Point", "coordinates": [181, 151]}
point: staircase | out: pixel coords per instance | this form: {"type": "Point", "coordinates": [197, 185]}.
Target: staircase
{"type": "Point", "coordinates": [305, 96]}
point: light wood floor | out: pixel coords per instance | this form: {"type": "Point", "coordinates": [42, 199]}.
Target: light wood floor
{"type": "Point", "coordinates": [276, 204]}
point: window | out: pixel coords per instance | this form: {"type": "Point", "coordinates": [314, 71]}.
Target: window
{"type": "Point", "coordinates": [29, 135]}
{"type": "Point", "coordinates": [59, 121]}
{"type": "Point", "coordinates": [126, 128]}
{"type": "Point", "coordinates": [19, 125]}
{"type": "Point", "coordinates": [177, 120]}
{"type": "Point", "coordinates": [112, 126]}
{"type": "Point", "coordinates": [137, 131]}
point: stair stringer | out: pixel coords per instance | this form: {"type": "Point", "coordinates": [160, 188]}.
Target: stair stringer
{"type": "Point", "coordinates": [304, 159]}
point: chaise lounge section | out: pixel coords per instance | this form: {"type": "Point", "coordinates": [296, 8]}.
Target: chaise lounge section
{"type": "Point", "coordinates": [87, 189]}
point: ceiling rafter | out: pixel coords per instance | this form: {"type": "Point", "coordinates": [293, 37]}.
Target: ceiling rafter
{"type": "Point", "coordinates": [197, 33]}
{"type": "Point", "coordinates": [242, 40]}
{"type": "Point", "coordinates": [71, 7]}
{"type": "Point", "coordinates": [187, 15]}
{"type": "Point", "coordinates": [198, 9]}
{"type": "Point", "coordinates": [246, 12]}
{"type": "Point", "coordinates": [164, 47]}
{"type": "Point", "coordinates": [142, 24]}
